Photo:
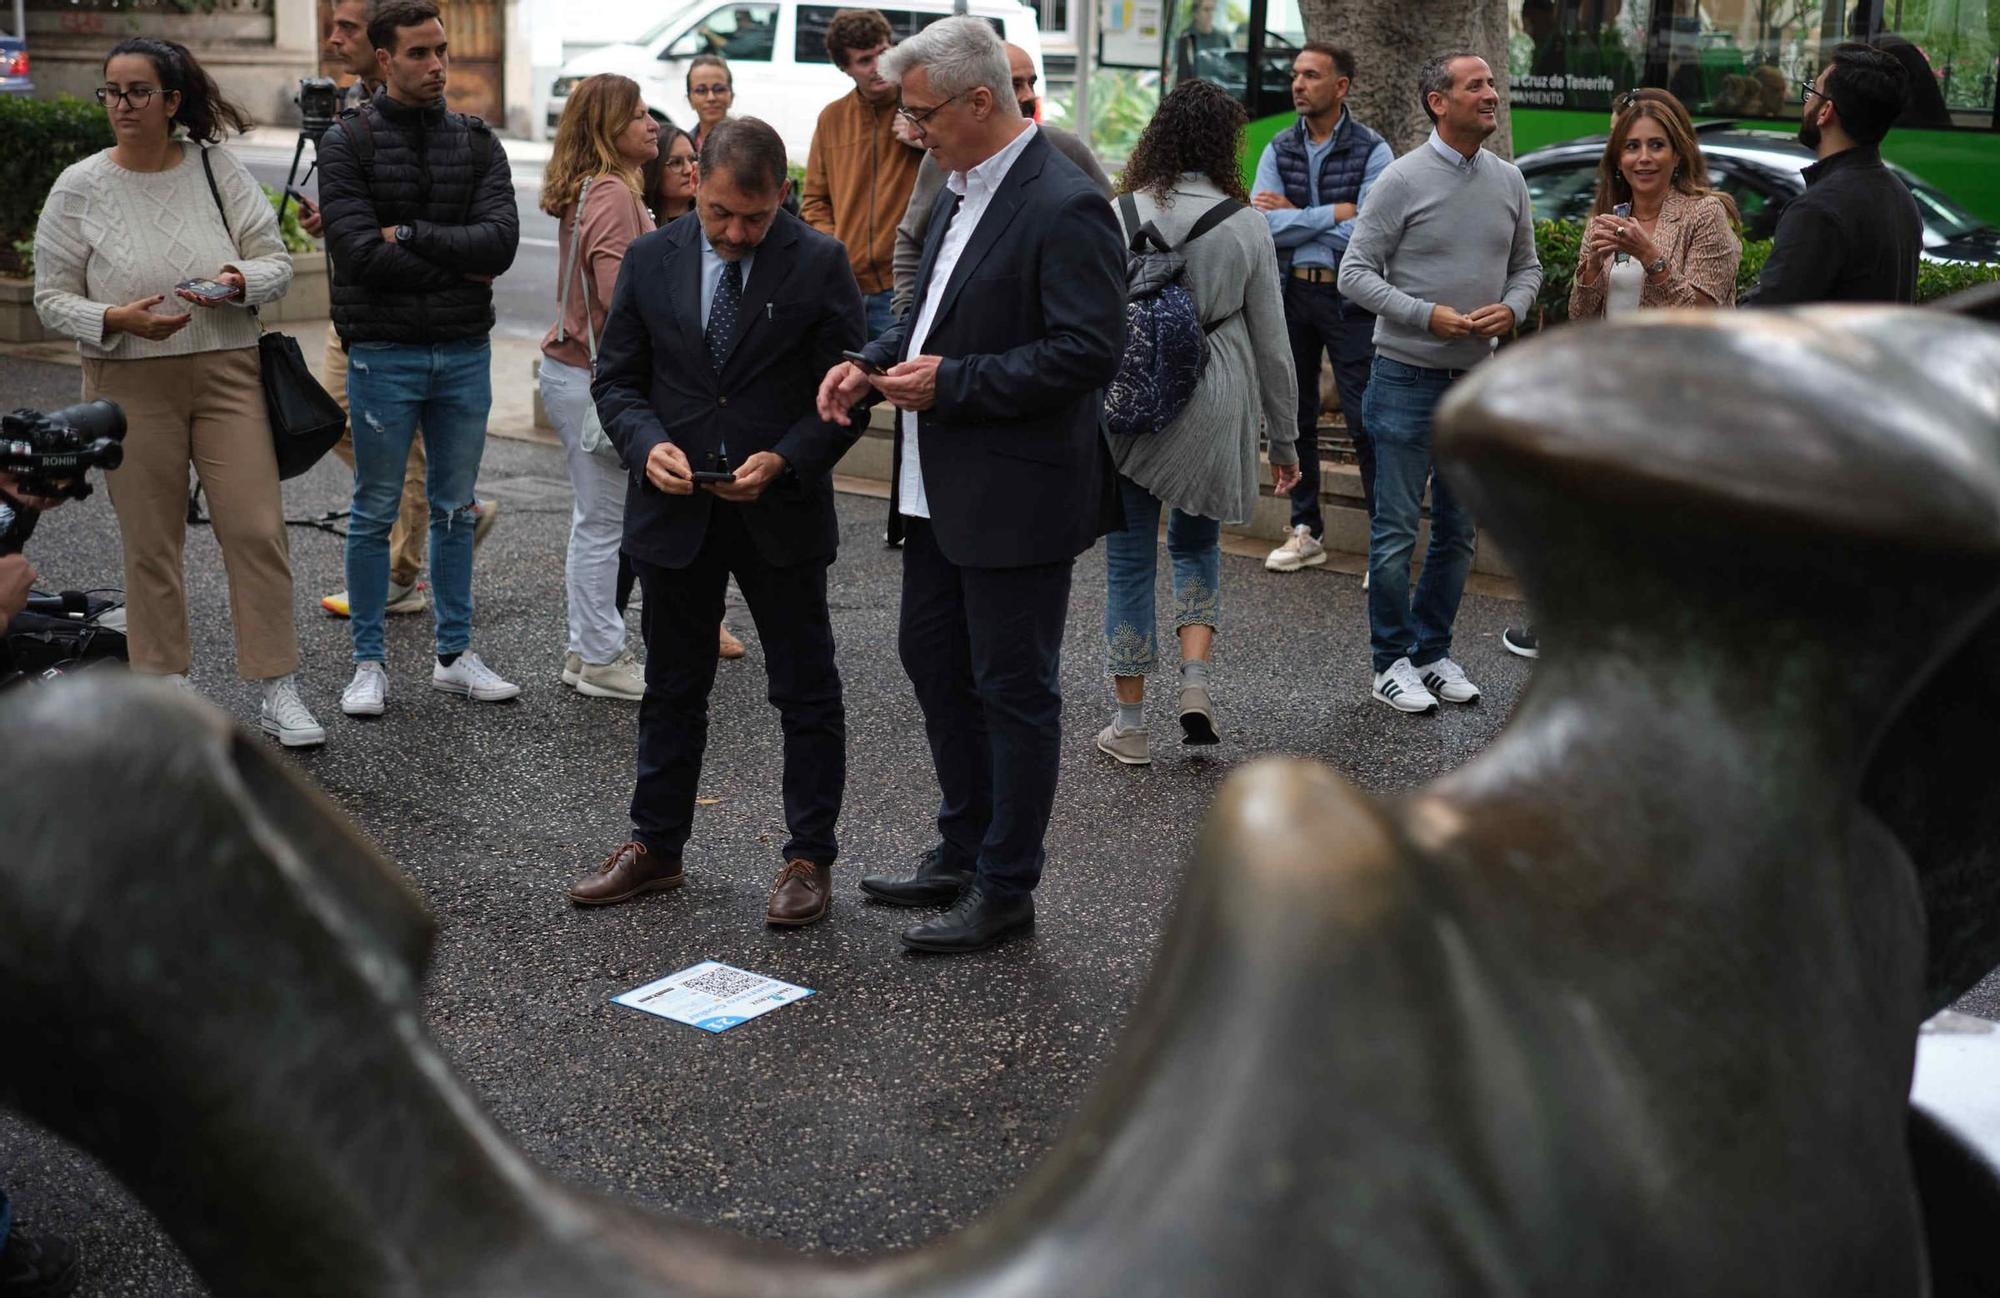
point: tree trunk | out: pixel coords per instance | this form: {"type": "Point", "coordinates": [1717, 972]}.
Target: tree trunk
{"type": "Point", "coordinates": [1391, 39]}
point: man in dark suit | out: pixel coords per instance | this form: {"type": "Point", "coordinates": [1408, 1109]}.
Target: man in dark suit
{"type": "Point", "coordinates": [1016, 326]}
{"type": "Point", "coordinates": [719, 331]}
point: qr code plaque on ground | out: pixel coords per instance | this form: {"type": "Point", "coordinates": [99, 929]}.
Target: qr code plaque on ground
{"type": "Point", "coordinates": [712, 996]}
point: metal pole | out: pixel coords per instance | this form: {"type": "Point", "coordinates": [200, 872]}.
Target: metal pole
{"type": "Point", "coordinates": [1086, 59]}
{"type": "Point", "coordinates": [21, 19]}
{"type": "Point", "coordinates": [957, 6]}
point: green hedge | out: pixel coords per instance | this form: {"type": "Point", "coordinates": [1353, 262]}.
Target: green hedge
{"type": "Point", "coordinates": [1557, 242]}
{"type": "Point", "coordinates": [38, 138]}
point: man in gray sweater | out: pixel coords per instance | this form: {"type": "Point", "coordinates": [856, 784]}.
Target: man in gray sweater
{"type": "Point", "coordinates": [1444, 255]}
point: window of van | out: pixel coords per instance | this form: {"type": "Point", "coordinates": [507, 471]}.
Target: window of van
{"type": "Point", "coordinates": [741, 33]}
{"type": "Point", "coordinates": [815, 19]}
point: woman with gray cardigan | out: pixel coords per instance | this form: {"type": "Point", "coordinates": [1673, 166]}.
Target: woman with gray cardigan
{"type": "Point", "coordinates": [1202, 468]}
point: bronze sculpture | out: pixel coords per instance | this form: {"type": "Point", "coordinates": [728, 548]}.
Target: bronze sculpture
{"type": "Point", "coordinates": [1624, 1005]}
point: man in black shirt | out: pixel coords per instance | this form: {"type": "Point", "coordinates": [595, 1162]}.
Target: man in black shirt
{"type": "Point", "coordinates": [1854, 235]}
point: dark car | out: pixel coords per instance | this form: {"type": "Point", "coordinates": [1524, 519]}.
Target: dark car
{"type": "Point", "coordinates": [14, 67]}
{"type": "Point", "coordinates": [1762, 171]}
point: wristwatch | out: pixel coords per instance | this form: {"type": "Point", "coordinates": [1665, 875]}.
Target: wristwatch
{"type": "Point", "coordinates": [1652, 268]}
{"type": "Point", "coordinates": [405, 233]}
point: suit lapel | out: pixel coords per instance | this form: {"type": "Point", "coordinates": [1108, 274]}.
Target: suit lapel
{"type": "Point", "coordinates": [768, 269]}
{"type": "Point", "coordinates": [684, 285]}
{"type": "Point", "coordinates": [993, 223]}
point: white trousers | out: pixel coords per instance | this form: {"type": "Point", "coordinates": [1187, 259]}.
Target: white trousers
{"type": "Point", "coordinates": [597, 522]}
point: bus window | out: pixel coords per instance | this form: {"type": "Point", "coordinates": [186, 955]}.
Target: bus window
{"type": "Point", "coordinates": [1210, 39]}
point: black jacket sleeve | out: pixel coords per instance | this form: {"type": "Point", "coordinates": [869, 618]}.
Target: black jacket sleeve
{"type": "Point", "coordinates": [623, 389]}
{"type": "Point", "coordinates": [354, 233]}
{"type": "Point", "coordinates": [1083, 301]}
{"type": "Point", "coordinates": [811, 446]}
{"type": "Point", "coordinates": [1804, 260]}
{"type": "Point", "coordinates": [486, 243]}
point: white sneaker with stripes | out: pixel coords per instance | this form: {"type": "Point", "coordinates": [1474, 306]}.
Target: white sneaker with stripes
{"type": "Point", "coordinates": [1448, 681]}
{"type": "Point", "coordinates": [1401, 688]}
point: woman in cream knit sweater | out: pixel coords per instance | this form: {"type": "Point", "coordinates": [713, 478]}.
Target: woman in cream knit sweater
{"type": "Point", "coordinates": [120, 233]}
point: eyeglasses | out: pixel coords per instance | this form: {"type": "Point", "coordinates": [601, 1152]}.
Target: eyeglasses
{"type": "Point", "coordinates": [676, 162]}
{"type": "Point", "coordinates": [136, 98]}
{"type": "Point", "coordinates": [1808, 88]}
{"type": "Point", "coordinates": [707, 90]}
{"type": "Point", "coordinates": [917, 119]}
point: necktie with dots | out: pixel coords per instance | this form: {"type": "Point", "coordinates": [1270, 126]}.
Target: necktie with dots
{"type": "Point", "coordinates": [722, 312]}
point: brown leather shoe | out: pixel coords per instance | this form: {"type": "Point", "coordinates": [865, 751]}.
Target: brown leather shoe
{"type": "Point", "coordinates": [801, 895]}
{"type": "Point", "coordinates": [625, 874]}
{"type": "Point", "coordinates": [728, 646]}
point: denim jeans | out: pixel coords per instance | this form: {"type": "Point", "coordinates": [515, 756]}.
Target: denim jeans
{"type": "Point", "coordinates": [1131, 556]}
{"type": "Point", "coordinates": [1318, 320]}
{"type": "Point", "coordinates": [1401, 402]}
{"type": "Point", "coordinates": [880, 314]}
{"type": "Point", "coordinates": [391, 389]}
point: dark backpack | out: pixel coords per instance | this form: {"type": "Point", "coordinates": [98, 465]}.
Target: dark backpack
{"type": "Point", "coordinates": [1166, 347]}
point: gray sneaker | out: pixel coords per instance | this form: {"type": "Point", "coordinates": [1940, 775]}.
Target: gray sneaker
{"type": "Point", "coordinates": [572, 668]}
{"type": "Point", "coordinates": [1198, 716]}
{"type": "Point", "coordinates": [1300, 550]}
{"type": "Point", "coordinates": [1128, 746]}
{"type": "Point", "coordinates": [621, 678]}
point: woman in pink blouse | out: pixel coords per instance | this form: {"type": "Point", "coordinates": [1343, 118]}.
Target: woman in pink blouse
{"type": "Point", "coordinates": [593, 186]}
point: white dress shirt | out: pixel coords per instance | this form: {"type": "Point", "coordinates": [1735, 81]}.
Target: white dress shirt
{"type": "Point", "coordinates": [975, 190]}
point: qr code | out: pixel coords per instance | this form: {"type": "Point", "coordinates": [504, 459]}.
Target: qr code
{"type": "Point", "coordinates": [723, 981]}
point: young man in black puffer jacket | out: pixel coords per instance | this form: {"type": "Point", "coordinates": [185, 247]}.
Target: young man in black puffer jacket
{"type": "Point", "coordinates": [420, 215]}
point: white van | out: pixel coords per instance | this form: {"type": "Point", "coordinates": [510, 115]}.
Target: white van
{"type": "Point", "coordinates": [777, 57]}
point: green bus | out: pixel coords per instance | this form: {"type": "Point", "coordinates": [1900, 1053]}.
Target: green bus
{"type": "Point", "coordinates": [1725, 59]}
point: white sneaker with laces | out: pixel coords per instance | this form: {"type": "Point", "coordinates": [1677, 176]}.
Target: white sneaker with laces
{"type": "Point", "coordinates": [368, 693]}
{"type": "Point", "coordinates": [1401, 688]}
{"type": "Point", "coordinates": [621, 678]}
{"type": "Point", "coordinates": [474, 679]}
{"type": "Point", "coordinates": [1300, 550]}
{"type": "Point", "coordinates": [285, 718]}
{"type": "Point", "coordinates": [1448, 681]}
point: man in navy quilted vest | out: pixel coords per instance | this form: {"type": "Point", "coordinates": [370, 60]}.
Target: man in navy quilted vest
{"type": "Point", "coordinates": [1311, 183]}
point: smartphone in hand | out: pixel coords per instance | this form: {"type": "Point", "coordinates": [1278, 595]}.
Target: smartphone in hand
{"type": "Point", "coordinates": [1621, 256]}
{"type": "Point", "coordinates": [866, 366]}
{"type": "Point", "coordinates": [206, 290]}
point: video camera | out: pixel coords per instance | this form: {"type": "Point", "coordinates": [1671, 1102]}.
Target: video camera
{"type": "Point", "coordinates": [319, 101]}
{"type": "Point", "coordinates": [48, 454]}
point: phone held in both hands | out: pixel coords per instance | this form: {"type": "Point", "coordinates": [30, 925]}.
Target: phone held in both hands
{"type": "Point", "coordinates": [206, 290]}
{"type": "Point", "coordinates": [1621, 256]}
{"type": "Point", "coordinates": [717, 468]}
{"type": "Point", "coordinates": [862, 362]}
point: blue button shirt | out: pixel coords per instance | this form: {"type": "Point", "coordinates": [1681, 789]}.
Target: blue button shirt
{"type": "Point", "coordinates": [1310, 236]}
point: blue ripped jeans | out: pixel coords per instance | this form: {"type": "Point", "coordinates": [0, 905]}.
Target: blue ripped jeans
{"type": "Point", "coordinates": [1131, 557]}
{"type": "Point", "coordinates": [392, 388]}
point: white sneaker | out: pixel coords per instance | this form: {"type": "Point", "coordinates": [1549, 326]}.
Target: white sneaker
{"type": "Point", "coordinates": [112, 619]}
{"type": "Point", "coordinates": [621, 678]}
{"type": "Point", "coordinates": [1298, 551]}
{"type": "Point", "coordinates": [286, 719]}
{"type": "Point", "coordinates": [1448, 681]}
{"type": "Point", "coordinates": [572, 668]}
{"type": "Point", "coordinates": [367, 693]}
{"type": "Point", "coordinates": [1402, 689]}
{"type": "Point", "coordinates": [180, 681]}
{"type": "Point", "coordinates": [474, 679]}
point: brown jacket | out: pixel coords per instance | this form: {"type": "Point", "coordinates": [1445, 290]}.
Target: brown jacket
{"type": "Point", "coordinates": [1702, 255]}
{"type": "Point", "coordinates": [858, 181]}
{"type": "Point", "coordinates": [613, 216]}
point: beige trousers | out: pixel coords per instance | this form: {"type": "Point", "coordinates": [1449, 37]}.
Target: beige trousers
{"type": "Point", "coordinates": [206, 409]}
{"type": "Point", "coordinates": [413, 516]}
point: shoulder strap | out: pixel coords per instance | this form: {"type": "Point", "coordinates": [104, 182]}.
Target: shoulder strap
{"type": "Point", "coordinates": [1213, 217]}
{"type": "Point", "coordinates": [208, 169]}
{"type": "Point", "coordinates": [363, 136]}
{"type": "Point", "coordinates": [576, 270]}
{"type": "Point", "coordinates": [1128, 214]}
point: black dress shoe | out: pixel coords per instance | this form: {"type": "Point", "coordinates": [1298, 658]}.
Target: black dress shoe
{"type": "Point", "coordinates": [934, 883]}
{"type": "Point", "coordinates": [975, 920]}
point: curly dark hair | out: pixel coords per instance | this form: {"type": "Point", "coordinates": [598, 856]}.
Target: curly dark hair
{"type": "Point", "coordinates": [1199, 127]}
{"type": "Point", "coordinates": [852, 30]}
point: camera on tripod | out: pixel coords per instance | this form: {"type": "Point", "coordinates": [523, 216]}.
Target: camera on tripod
{"type": "Point", "coordinates": [319, 101]}
{"type": "Point", "coordinates": [48, 453]}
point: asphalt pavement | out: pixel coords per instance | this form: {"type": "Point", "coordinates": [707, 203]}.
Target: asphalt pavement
{"type": "Point", "coordinates": [910, 1093]}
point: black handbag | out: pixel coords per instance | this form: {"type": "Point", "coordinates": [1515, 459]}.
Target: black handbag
{"type": "Point", "coordinates": [305, 419]}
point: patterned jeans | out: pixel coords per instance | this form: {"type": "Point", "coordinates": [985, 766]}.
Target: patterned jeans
{"type": "Point", "coordinates": [1131, 560]}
